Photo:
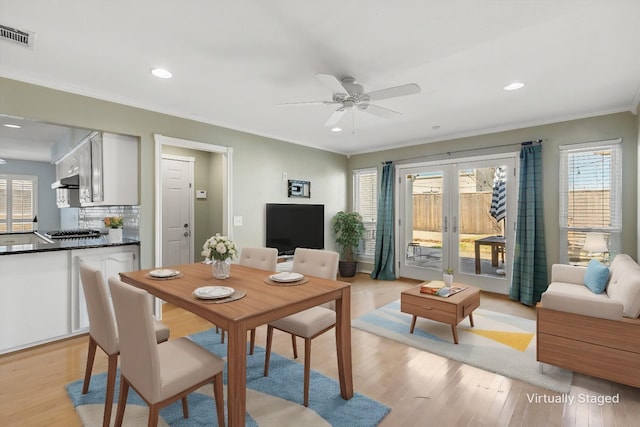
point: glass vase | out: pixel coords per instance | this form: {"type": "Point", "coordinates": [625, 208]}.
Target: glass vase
{"type": "Point", "coordinates": [220, 268]}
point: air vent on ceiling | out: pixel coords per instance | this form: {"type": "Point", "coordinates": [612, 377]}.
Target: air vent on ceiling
{"type": "Point", "coordinates": [23, 38]}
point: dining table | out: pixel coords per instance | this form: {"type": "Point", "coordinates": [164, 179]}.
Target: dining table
{"type": "Point", "coordinates": [256, 300]}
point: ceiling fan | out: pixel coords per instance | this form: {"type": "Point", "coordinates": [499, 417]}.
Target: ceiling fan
{"type": "Point", "coordinates": [349, 95]}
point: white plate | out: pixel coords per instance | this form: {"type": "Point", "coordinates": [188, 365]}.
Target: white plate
{"type": "Point", "coordinates": [213, 292]}
{"type": "Point", "coordinates": [286, 276]}
{"type": "Point", "coordinates": [164, 272]}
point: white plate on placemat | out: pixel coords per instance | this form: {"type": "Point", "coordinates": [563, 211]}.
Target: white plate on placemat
{"type": "Point", "coordinates": [286, 277]}
{"type": "Point", "coordinates": [213, 292]}
{"type": "Point", "coordinates": [163, 273]}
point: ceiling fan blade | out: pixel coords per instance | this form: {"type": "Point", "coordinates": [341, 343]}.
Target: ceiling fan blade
{"type": "Point", "coordinates": [379, 111]}
{"type": "Point", "coordinates": [332, 83]}
{"type": "Point", "coordinates": [310, 103]}
{"type": "Point", "coordinates": [392, 92]}
{"type": "Point", "coordinates": [335, 117]}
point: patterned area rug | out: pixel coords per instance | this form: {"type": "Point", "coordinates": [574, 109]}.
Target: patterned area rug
{"type": "Point", "coordinates": [498, 343]}
{"type": "Point", "coordinates": [275, 400]}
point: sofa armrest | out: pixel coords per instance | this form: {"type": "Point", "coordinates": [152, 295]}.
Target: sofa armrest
{"type": "Point", "coordinates": [568, 273]}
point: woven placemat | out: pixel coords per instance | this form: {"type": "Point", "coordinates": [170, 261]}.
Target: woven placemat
{"type": "Point", "coordinates": [236, 295]}
{"type": "Point", "coordinates": [268, 281]}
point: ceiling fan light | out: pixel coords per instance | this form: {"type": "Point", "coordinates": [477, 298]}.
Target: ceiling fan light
{"type": "Point", "coordinates": [514, 86]}
{"type": "Point", "coordinates": [161, 73]}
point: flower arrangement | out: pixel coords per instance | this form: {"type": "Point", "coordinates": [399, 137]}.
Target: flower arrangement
{"type": "Point", "coordinates": [219, 248]}
{"type": "Point", "coordinates": [113, 222]}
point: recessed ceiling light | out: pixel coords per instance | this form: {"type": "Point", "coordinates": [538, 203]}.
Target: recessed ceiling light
{"type": "Point", "coordinates": [436, 127]}
{"type": "Point", "coordinates": [8, 125]}
{"type": "Point", "coordinates": [2, 161]}
{"type": "Point", "coordinates": [336, 129]}
{"type": "Point", "coordinates": [161, 73]}
{"type": "Point", "coordinates": [514, 86]}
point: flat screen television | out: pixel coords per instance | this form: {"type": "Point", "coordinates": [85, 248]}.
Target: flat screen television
{"type": "Point", "coordinates": [291, 226]}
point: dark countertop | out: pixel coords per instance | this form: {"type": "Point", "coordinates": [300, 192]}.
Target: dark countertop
{"type": "Point", "coordinates": [64, 245]}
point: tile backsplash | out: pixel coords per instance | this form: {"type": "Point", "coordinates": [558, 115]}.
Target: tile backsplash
{"type": "Point", "coordinates": [93, 218]}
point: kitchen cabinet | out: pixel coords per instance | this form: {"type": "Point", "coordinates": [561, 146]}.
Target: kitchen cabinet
{"type": "Point", "coordinates": [110, 261]}
{"type": "Point", "coordinates": [110, 176]}
{"type": "Point", "coordinates": [107, 169]}
{"type": "Point", "coordinates": [34, 299]}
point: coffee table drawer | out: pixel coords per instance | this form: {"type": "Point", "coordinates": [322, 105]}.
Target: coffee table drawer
{"type": "Point", "coordinates": [434, 310]}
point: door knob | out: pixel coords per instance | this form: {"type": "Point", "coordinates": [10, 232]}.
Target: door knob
{"type": "Point", "coordinates": [186, 234]}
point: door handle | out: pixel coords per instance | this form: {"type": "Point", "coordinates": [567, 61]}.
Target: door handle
{"type": "Point", "coordinates": [455, 224]}
{"type": "Point", "coordinates": [445, 224]}
{"type": "Point", "coordinates": [186, 234]}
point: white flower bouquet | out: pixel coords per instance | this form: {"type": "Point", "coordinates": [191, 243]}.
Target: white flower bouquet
{"type": "Point", "coordinates": [219, 248]}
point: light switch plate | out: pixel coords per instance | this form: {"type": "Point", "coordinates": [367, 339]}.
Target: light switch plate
{"type": "Point", "coordinates": [237, 221]}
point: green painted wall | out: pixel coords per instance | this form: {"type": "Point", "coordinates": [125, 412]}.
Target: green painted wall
{"type": "Point", "coordinates": [620, 125]}
{"type": "Point", "coordinates": [258, 162]}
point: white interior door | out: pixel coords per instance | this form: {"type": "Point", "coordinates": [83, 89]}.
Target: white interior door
{"type": "Point", "coordinates": [177, 210]}
{"type": "Point", "coordinates": [447, 221]}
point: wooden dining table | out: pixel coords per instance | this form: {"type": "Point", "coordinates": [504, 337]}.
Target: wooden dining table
{"type": "Point", "coordinates": [263, 302]}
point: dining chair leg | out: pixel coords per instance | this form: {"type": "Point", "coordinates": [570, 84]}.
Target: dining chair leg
{"type": "Point", "coordinates": [307, 368]}
{"type": "Point", "coordinates": [218, 395]}
{"type": "Point", "coordinates": [185, 407]}
{"type": "Point", "coordinates": [253, 341]}
{"type": "Point", "coordinates": [112, 367]}
{"type": "Point", "coordinates": [154, 415]}
{"type": "Point", "coordinates": [91, 355]}
{"type": "Point", "coordinates": [267, 353]}
{"type": "Point", "coordinates": [122, 400]}
{"type": "Point", "coordinates": [295, 346]}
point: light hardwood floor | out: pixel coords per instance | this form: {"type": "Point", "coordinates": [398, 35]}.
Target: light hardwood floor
{"type": "Point", "coordinates": [421, 388]}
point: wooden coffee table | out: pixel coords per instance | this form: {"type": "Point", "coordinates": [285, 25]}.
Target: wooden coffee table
{"type": "Point", "coordinates": [451, 310]}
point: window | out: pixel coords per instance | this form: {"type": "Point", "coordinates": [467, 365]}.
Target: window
{"type": "Point", "coordinates": [17, 202]}
{"type": "Point", "coordinates": [365, 202]}
{"type": "Point", "coordinates": [590, 201]}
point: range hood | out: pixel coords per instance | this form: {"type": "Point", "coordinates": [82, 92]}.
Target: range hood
{"type": "Point", "coordinates": [72, 181]}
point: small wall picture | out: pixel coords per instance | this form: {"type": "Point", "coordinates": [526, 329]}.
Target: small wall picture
{"type": "Point", "coordinates": [298, 188]}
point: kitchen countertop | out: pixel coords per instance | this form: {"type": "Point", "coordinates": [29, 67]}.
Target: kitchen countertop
{"type": "Point", "coordinates": [65, 244]}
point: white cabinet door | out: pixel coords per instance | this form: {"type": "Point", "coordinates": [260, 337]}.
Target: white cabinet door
{"type": "Point", "coordinates": [110, 261]}
{"type": "Point", "coordinates": [34, 307]}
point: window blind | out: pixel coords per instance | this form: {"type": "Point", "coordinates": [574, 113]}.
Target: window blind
{"type": "Point", "coordinates": [590, 200]}
{"type": "Point", "coordinates": [17, 202]}
{"type": "Point", "coordinates": [365, 202]}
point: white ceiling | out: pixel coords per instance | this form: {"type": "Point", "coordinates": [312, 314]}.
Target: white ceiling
{"type": "Point", "coordinates": [234, 62]}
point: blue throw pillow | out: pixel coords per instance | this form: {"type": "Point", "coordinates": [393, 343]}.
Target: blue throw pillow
{"type": "Point", "coordinates": [597, 276]}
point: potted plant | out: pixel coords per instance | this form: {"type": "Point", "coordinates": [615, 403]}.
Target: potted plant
{"type": "Point", "coordinates": [114, 225]}
{"type": "Point", "coordinates": [349, 230]}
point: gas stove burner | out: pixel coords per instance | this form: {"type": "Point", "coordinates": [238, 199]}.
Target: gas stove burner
{"type": "Point", "coordinates": [73, 234]}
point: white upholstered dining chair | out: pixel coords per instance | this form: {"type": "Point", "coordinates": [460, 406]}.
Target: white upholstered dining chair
{"type": "Point", "coordinates": [160, 373]}
{"type": "Point", "coordinates": [263, 259]}
{"type": "Point", "coordinates": [103, 332]}
{"type": "Point", "coordinates": [312, 322]}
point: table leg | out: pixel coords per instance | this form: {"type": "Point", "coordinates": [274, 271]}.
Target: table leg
{"type": "Point", "coordinates": [413, 324]}
{"type": "Point", "coordinates": [237, 375]}
{"type": "Point", "coordinates": [455, 334]}
{"type": "Point", "coordinates": [477, 257]}
{"type": "Point", "coordinates": [471, 319]}
{"type": "Point", "coordinates": [494, 254]}
{"type": "Point", "coordinates": [343, 343]}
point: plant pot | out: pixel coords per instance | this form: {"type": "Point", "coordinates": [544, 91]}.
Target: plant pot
{"type": "Point", "coordinates": [447, 279]}
{"type": "Point", "coordinates": [115, 235]}
{"type": "Point", "coordinates": [347, 269]}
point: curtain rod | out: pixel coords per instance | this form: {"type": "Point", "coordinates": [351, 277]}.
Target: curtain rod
{"type": "Point", "coordinates": [525, 143]}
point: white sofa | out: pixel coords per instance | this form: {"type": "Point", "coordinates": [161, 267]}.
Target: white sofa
{"type": "Point", "coordinates": [596, 334]}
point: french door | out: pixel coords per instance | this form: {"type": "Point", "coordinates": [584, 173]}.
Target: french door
{"type": "Point", "coordinates": [460, 216]}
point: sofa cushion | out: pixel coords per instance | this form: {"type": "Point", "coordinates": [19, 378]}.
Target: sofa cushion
{"type": "Point", "coordinates": [578, 299]}
{"type": "Point", "coordinates": [596, 276]}
{"type": "Point", "coordinates": [624, 285]}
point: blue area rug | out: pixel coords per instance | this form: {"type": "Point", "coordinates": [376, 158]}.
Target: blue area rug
{"type": "Point", "coordinates": [275, 400]}
{"type": "Point", "coordinates": [498, 343]}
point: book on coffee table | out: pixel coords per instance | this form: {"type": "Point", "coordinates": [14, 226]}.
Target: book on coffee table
{"type": "Point", "coordinates": [442, 291]}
